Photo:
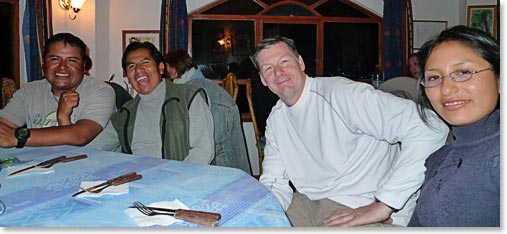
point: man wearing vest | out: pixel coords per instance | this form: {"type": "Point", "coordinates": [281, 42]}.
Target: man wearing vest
{"type": "Point", "coordinates": [171, 121]}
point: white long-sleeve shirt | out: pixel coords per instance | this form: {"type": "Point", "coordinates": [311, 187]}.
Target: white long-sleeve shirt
{"type": "Point", "coordinates": [339, 141]}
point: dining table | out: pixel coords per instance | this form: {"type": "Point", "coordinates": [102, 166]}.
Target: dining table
{"type": "Point", "coordinates": [45, 199]}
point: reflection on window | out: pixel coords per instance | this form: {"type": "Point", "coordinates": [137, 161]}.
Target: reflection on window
{"type": "Point", "coordinates": [218, 43]}
{"type": "Point", "coordinates": [347, 48]}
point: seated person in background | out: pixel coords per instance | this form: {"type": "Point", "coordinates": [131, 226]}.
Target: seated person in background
{"type": "Point", "coordinates": [65, 108]}
{"type": "Point", "coordinates": [120, 93]}
{"type": "Point", "coordinates": [165, 120]}
{"type": "Point", "coordinates": [413, 66]}
{"type": "Point", "coordinates": [336, 141]}
{"type": "Point", "coordinates": [403, 86]}
{"type": "Point", "coordinates": [230, 149]}
{"type": "Point", "coordinates": [461, 69]}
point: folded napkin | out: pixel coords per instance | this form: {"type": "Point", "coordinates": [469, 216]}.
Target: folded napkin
{"type": "Point", "coordinates": [36, 170]}
{"type": "Point", "coordinates": [112, 190]}
{"type": "Point", "coordinates": [165, 220]}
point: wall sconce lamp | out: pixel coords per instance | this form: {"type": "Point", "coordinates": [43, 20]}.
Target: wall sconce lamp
{"type": "Point", "coordinates": [72, 6]}
{"type": "Point", "coordinates": [225, 42]}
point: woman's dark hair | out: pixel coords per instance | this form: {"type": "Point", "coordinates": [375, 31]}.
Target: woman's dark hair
{"type": "Point", "coordinates": [482, 43]}
{"type": "Point", "coordinates": [68, 38]}
{"type": "Point", "coordinates": [154, 53]}
{"type": "Point", "coordinates": [180, 60]}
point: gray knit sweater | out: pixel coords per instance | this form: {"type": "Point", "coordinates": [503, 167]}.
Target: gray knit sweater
{"type": "Point", "coordinates": [462, 184]}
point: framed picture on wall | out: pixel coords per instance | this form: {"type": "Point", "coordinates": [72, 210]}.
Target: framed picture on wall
{"type": "Point", "coordinates": [426, 29]}
{"type": "Point", "coordinates": [483, 17]}
{"type": "Point", "coordinates": [129, 36]}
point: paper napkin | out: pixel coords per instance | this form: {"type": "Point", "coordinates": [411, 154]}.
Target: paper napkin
{"type": "Point", "coordinates": [112, 190]}
{"type": "Point", "coordinates": [35, 170]}
{"type": "Point", "coordinates": [165, 220]}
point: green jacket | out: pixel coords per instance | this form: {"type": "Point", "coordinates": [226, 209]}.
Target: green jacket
{"type": "Point", "coordinates": [174, 120]}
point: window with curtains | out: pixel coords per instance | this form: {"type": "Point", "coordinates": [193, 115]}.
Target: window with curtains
{"type": "Point", "coordinates": [334, 37]}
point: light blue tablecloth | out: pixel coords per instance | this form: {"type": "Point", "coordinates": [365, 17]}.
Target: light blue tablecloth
{"type": "Point", "coordinates": [44, 200]}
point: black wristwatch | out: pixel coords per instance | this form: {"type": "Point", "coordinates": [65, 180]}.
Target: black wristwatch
{"type": "Point", "coordinates": [22, 134]}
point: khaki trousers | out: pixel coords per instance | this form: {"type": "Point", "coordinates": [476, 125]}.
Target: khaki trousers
{"type": "Point", "coordinates": [304, 212]}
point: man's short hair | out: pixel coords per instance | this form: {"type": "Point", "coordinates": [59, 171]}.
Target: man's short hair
{"type": "Point", "coordinates": [154, 52]}
{"type": "Point", "coordinates": [66, 38]}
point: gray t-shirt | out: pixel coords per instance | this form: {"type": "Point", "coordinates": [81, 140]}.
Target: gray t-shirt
{"type": "Point", "coordinates": [35, 105]}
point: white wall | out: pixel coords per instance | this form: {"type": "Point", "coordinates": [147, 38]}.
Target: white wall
{"type": "Point", "coordinates": [22, 62]}
{"type": "Point", "coordinates": [446, 11]}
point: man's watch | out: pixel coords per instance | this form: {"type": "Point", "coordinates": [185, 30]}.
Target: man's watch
{"type": "Point", "coordinates": [22, 134]}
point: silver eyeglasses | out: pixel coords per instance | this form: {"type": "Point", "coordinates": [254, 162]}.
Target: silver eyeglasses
{"type": "Point", "coordinates": [457, 76]}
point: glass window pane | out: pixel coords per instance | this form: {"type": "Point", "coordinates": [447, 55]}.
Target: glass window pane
{"type": "Point", "coordinates": [236, 7]}
{"type": "Point", "coordinates": [308, 2]}
{"type": "Point", "coordinates": [212, 57]}
{"type": "Point", "coordinates": [304, 35]}
{"type": "Point", "coordinates": [287, 9]}
{"type": "Point", "coordinates": [271, 2]}
{"type": "Point", "coordinates": [351, 49]}
{"type": "Point", "coordinates": [336, 8]}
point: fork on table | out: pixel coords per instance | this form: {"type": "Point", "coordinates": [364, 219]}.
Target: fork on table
{"type": "Point", "coordinates": [190, 216]}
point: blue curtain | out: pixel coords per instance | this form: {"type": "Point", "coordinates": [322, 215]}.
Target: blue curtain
{"type": "Point", "coordinates": [173, 25]}
{"type": "Point", "coordinates": [36, 29]}
{"type": "Point", "coordinates": [393, 23]}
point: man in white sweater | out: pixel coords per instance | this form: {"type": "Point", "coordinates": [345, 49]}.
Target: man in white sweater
{"type": "Point", "coordinates": [338, 142]}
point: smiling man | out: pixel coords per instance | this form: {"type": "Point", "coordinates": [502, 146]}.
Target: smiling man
{"type": "Point", "coordinates": [336, 141]}
{"type": "Point", "coordinates": [65, 108]}
{"type": "Point", "coordinates": [165, 120]}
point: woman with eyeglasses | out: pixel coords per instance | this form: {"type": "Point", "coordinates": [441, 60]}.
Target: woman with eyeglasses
{"type": "Point", "coordinates": [461, 81]}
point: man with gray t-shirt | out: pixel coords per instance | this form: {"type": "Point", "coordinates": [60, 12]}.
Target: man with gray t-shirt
{"type": "Point", "coordinates": [65, 108]}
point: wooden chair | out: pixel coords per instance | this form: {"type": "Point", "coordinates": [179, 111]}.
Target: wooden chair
{"type": "Point", "coordinates": [122, 95]}
{"type": "Point", "coordinates": [251, 116]}
{"type": "Point", "coordinates": [7, 89]}
{"type": "Point", "coordinates": [230, 84]}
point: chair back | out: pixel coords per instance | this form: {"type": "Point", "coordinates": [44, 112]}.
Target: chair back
{"type": "Point", "coordinates": [8, 87]}
{"type": "Point", "coordinates": [230, 84]}
{"type": "Point", "coordinates": [122, 95]}
{"type": "Point", "coordinates": [251, 116]}
{"type": "Point", "coordinates": [405, 87]}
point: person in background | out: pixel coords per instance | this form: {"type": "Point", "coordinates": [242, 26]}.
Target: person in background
{"type": "Point", "coordinates": [230, 149]}
{"type": "Point", "coordinates": [165, 120]}
{"type": "Point", "coordinates": [461, 79]}
{"type": "Point", "coordinates": [337, 140]}
{"type": "Point", "coordinates": [65, 108]}
{"type": "Point", "coordinates": [413, 66]}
